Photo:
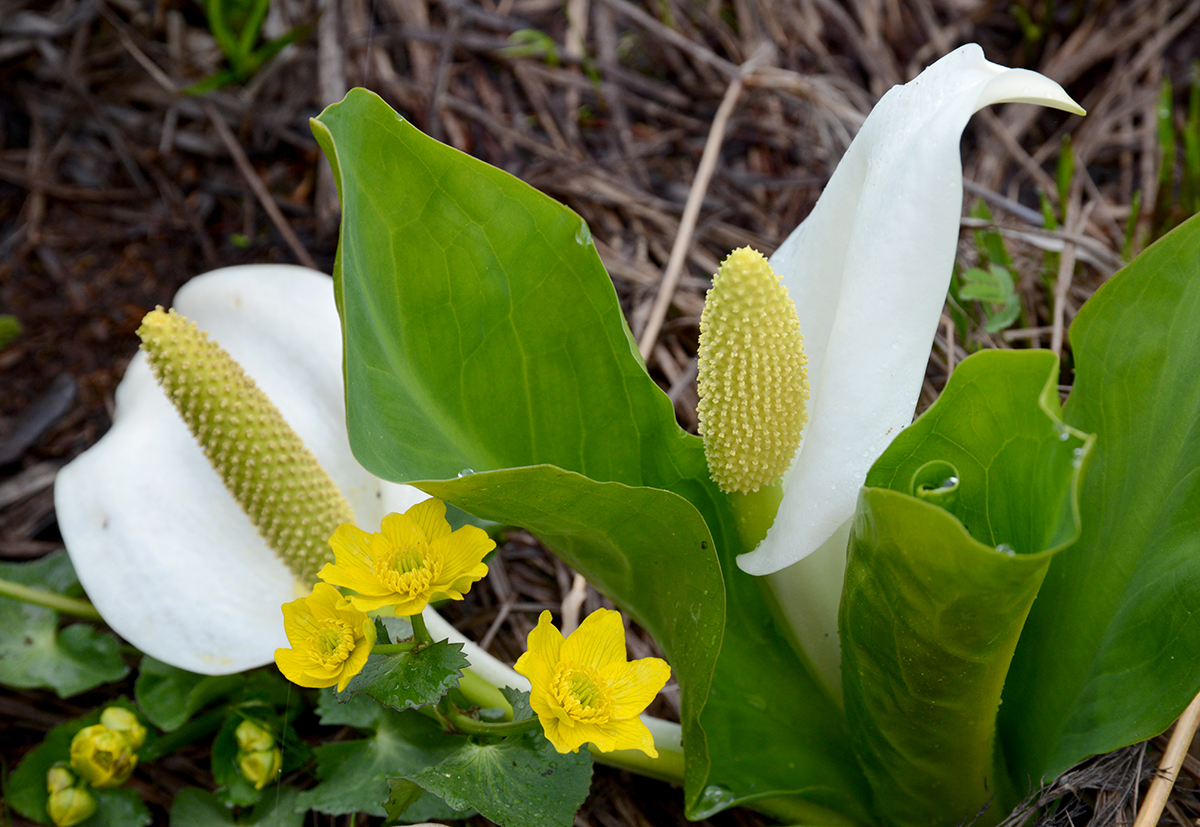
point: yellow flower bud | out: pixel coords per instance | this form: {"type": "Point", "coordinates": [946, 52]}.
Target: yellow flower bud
{"type": "Point", "coordinates": [753, 381]}
{"type": "Point", "coordinates": [121, 720]}
{"type": "Point", "coordinates": [261, 766]}
{"type": "Point", "coordinates": [278, 482]}
{"type": "Point", "coordinates": [253, 738]}
{"type": "Point", "coordinates": [103, 757]}
{"type": "Point", "coordinates": [59, 778]}
{"type": "Point", "coordinates": [70, 806]}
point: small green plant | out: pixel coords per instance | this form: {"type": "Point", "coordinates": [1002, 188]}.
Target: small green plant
{"type": "Point", "coordinates": [1171, 205]}
{"type": "Point", "coordinates": [237, 25]}
{"type": "Point", "coordinates": [991, 283]}
{"type": "Point", "coordinates": [10, 329]}
{"type": "Point", "coordinates": [532, 43]}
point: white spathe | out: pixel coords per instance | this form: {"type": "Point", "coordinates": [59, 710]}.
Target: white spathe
{"type": "Point", "coordinates": [162, 549]}
{"type": "Point", "coordinates": [868, 270]}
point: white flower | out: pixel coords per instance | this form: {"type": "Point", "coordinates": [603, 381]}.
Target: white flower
{"type": "Point", "coordinates": [163, 550]}
{"type": "Point", "coordinates": [868, 270]}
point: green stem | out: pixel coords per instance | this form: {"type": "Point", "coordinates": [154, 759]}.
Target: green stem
{"type": "Point", "coordinates": [482, 694]}
{"type": "Point", "coordinates": [393, 648]}
{"type": "Point", "coordinates": [420, 631]}
{"type": "Point", "coordinates": [755, 512]}
{"type": "Point", "coordinates": [193, 730]}
{"type": "Point", "coordinates": [668, 766]}
{"type": "Point", "coordinates": [57, 602]}
{"type": "Point", "coordinates": [470, 726]}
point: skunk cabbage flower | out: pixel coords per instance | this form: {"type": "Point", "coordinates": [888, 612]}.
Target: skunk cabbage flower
{"type": "Point", "coordinates": [162, 548]}
{"type": "Point", "coordinates": [868, 271]}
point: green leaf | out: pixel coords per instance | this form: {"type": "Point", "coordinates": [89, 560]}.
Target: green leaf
{"type": "Point", "coordinates": [34, 654]}
{"type": "Point", "coordinates": [993, 285]}
{"type": "Point", "coordinates": [10, 328]}
{"type": "Point", "coordinates": [26, 789]}
{"type": "Point", "coordinates": [518, 782]}
{"type": "Point", "coordinates": [353, 775]}
{"type": "Point", "coordinates": [169, 696]}
{"type": "Point", "coordinates": [483, 335]}
{"type": "Point", "coordinates": [411, 679]}
{"type": "Point", "coordinates": [194, 807]}
{"type": "Point", "coordinates": [953, 536]}
{"type": "Point", "coordinates": [1108, 657]}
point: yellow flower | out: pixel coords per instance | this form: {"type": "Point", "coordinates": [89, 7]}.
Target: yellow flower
{"type": "Point", "coordinates": [330, 641]}
{"type": "Point", "coordinates": [413, 559]}
{"type": "Point", "coordinates": [583, 689]}
{"type": "Point", "coordinates": [102, 756]}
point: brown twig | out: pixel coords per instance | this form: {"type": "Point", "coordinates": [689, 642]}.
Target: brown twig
{"type": "Point", "coordinates": [691, 210]}
{"type": "Point", "coordinates": [258, 187]}
{"type": "Point", "coordinates": [1169, 766]}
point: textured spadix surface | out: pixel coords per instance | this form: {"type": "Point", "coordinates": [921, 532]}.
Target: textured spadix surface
{"type": "Point", "coordinates": [278, 482]}
{"type": "Point", "coordinates": [868, 270]}
{"type": "Point", "coordinates": [161, 547]}
{"type": "Point", "coordinates": [752, 378]}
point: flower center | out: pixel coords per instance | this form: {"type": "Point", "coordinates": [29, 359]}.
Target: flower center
{"type": "Point", "coordinates": [408, 570]}
{"type": "Point", "coordinates": [583, 693]}
{"type": "Point", "coordinates": [332, 644]}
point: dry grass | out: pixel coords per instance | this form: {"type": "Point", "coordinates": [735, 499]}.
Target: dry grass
{"type": "Point", "coordinates": [114, 189]}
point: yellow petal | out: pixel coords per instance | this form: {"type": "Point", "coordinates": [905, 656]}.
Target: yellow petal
{"type": "Point", "coordinates": [599, 640]}
{"type": "Point", "coordinates": [632, 686]}
{"type": "Point", "coordinates": [397, 531]}
{"type": "Point", "coordinates": [631, 733]}
{"type": "Point", "coordinates": [351, 546]}
{"type": "Point", "coordinates": [546, 641]}
{"type": "Point", "coordinates": [534, 667]}
{"type": "Point", "coordinates": [354, 663]}
{"type": "Point", "coordinates": [430, 517]}
{"type": "Point", "coordinates": [462, 552]}
{"type": "Point", "coordinates": [354, 578]}
{"type": "Point", "coordinates": [293, 666]}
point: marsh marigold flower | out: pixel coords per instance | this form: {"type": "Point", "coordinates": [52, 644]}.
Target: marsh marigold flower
{"type": "Point", "coordinates": [330, 641]}
{"type": "Point", "coordinates": [582, 688]}
{"type": "Point", "coordinates": [414, 558]}
{"type": "Point", "coordinates": [103, 757]}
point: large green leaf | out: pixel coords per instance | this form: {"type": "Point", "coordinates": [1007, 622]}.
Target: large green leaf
{"type": "Point", "coordinates": [482, 334]}
{"type": "Point", "coordinates": [353, 775]}
{"type": "Point", "coordinates": [1109, 656]}
{"type": "Point", "coordinates": [953, 536]}
{"type": "Point", "coordinates": [35, 653]}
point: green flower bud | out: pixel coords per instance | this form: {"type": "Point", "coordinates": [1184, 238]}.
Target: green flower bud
{"type": "Point", "coordinates": [253, 738]}
{"type": "Point", "coordinates": [70, 806]}
{"type": "Point", "coordinates": [103, 757]}
{"type": "Point", "coordinates": [278, 482]}
{"type": "Point", "coordinates": [59, 778]}
{"type": "Point", "coordinates": [260, 767]}
{"type": "Point", "coordinates": [258, 757]}
{"type": "Point", "coordinates": [120, 719]}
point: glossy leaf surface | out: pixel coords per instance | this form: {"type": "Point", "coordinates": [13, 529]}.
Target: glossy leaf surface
{"type": "Point", "coordinates": [483, 334]}
{"type": "Point", "coordinates": [1109, 656]}
{"type": "Point", "coordinates": [954, 533]}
